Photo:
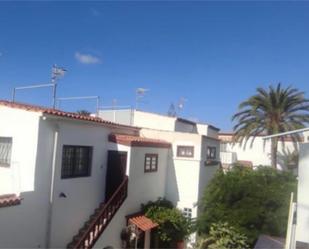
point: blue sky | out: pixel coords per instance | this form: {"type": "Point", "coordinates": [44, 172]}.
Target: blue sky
{"type": "Point", "coordinates": [214, 54]}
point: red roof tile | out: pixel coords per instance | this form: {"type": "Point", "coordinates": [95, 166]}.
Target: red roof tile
{"type": "Point", "coordinates": [143, 223]}
{"type": "Point", "coordinates": [9, 200]}
{"type": "Point", "coordinates": [138, 141]}
{"type": "Point", "coordinates": [245, 163]}
{"type": "Point", "coordinates": [60, 113]}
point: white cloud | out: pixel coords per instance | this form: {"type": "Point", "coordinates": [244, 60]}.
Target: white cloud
{"type": "Point", "coordinates": [87, 58]}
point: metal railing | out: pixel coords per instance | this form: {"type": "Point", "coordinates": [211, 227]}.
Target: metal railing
{"type": "Point", "coordinates": [228, 157]}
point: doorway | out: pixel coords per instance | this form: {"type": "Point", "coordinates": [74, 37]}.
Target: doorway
{"type": "Point", "coordinates": [116, 171]}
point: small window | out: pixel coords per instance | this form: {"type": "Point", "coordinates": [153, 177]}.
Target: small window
{"type": "Point", "coordinates": [151, 163]}
{"type": "Point", "coordinates": [211, 152]}
{"type": "Point", "coordinates": [187, 212]}
{"type": "Point", "coordinates": [76, 161]}
{"type": "Point", "coordinates": [185, 151]}
{"type": "Point", "coordinates": [5, 151]}
{"type": "Point", "coordinates": [223, 147]}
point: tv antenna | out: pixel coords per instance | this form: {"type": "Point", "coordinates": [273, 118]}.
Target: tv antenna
{"type": "Point", "coordinates": [57, 73]}
{"type": "Point", "coordinates": [181, 103]}
{"type": "Point", "coordinates": [172, 111]}
{"type": "Point", "coordinates": [140, 93]}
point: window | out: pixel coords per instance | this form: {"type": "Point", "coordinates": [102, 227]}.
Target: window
{"type": "Point", "coordinates": [5, 151]}
{"type": "Point", "coordinates": [185, 151]}
{"type": "Point", "coordinates": [211, 152]}
{"type": "Point", "coordinates": [151, 163]}
{"type": "Point", "coordinates": [223, 147]}
{"type": "Point", "coordinates": [76, 161]}
{"type": "Point", "coordinates": [187, 212]}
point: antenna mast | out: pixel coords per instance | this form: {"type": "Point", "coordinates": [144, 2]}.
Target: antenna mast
{"type": "Point", "coordinates": [57, 73]}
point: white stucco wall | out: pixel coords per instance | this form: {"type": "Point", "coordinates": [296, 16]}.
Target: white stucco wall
{"type": "Point", "coordinates": [259, 152]}
{"type": "Point", "coordinates": [25, 225]}
{"type": "Point", "coordinates": [181, 191]}
{"type": "Point", "coordinates": [23, 128]}
{"type": "Point", "coordinates": [207, 171]}
{"type": "Point", "coordinates": [302, 228]}
{"type": "Point", "coordinates": [153, 121]}
{"type": "Point", "coordinates": [143, 187]}
{"type": "Point", "coordinates": [124, 116]}
{"type": "Point", "coordinates": [84, 194]}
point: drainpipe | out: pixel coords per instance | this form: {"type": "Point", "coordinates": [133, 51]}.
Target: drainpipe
{"type": "Point", "coordinates": [51, 192]}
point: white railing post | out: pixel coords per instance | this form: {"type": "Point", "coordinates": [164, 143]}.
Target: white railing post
{"type": "Point", "coordinates": [290, 242]}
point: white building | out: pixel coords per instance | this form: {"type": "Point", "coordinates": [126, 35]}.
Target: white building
{"type": "Point", "coordinates": [298, 230]}
{"type": "Point", "coordinates": [70, 178]}
{"type": "Point", "coordinates": [195, 152]}
{"type": "Point", "coordinates": [255, 153]}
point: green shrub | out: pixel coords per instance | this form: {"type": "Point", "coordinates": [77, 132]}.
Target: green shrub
{"type": "Point", "coordinates": [224, 236]}
{"type": "Point", "coordinates": [173, 225]}
{"type": "Point", "coordinates": [255, 201]}
{"type": "Point", "coordinates": [161, 202]}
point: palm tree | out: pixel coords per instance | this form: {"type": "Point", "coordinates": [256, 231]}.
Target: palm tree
{"type": "Point", "coordinates": [270, 111]}
{"type": "Point", "coordinates": [83, 112]}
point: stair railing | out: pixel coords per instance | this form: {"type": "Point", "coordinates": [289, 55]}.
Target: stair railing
{"type": "Point", "coordinates": [98, 225]}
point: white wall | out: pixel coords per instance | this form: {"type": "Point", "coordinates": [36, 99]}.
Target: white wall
{"type": "Point", "coordinates": [124, 116]}
{"type": "Point", "coordinates": [84, 194]}
{"type": "Point", "coordinates": [181, 191]}
{"type": "Point", "coordinates": [146, 186]}
{"type": "Point", "coordinates": [302, 228]}
{"type": "Point", "coordinates": [25, 225]}
{"type": "Point", "coordinates": [23, 128]}
{"type": "Point", "coordinates": [207, 171]}
{"type": "Point", "coordinates": [143, 187]}
{"type": "Point", "coordinates": [33, 141]}
{"type": "Point", "coordinates": [153, 121]}
{"type": "Point", "coordinates": [259, 152]}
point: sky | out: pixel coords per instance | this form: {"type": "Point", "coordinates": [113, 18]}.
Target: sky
{"type": "Point", "coordinates": [213, 54]}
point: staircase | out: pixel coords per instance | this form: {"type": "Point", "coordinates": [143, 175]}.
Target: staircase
{"type": "Point", "coordinates": [95, 226]}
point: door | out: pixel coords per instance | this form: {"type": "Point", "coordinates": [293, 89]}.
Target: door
{"type": "Point", "coordinates": [116, 171]}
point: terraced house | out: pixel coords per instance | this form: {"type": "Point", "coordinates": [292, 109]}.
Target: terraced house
{"type": "Point", "coordinates": [69, 180]}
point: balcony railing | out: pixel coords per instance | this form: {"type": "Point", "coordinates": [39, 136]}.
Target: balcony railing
{"type": "Point", "coordinates": [228, 157]}
{"type": "Point", "coordinates": [89, 234]}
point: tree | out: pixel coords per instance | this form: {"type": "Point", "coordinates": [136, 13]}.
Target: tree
{"type": "Point", "coordinates": [253, 201]}
{"type": "Point", "coordinates": [271, 111]}
{"type": "Point", "coordinates": [224, 236]}
{"type": "Point", "coordinates": [173, 225]}
{"type": "Point", "coordinates": [84, 112]}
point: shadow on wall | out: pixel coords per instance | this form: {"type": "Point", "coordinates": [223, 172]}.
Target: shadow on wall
{"type": "Point", "coordinates": [207, 172]}
{"type": "Point", "coordinates": [287, 159]}
{"type": "Point", "coordinates": [172, 188]}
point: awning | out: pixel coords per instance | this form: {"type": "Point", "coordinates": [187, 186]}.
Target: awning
{"type": "Point", "coordinates": [143, 223]}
